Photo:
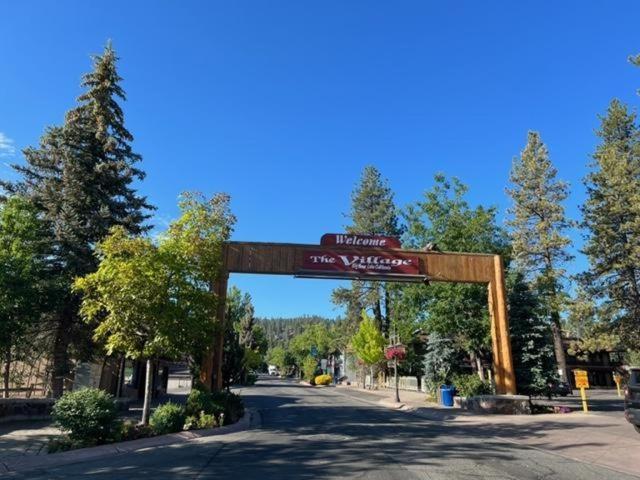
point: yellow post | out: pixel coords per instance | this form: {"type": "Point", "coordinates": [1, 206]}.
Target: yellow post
{"type": "Point", "coordinates": [584, 399]}
{"type": "Point", "coordinates": [617, 378]}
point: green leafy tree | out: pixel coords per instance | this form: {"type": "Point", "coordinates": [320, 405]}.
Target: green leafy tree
{"type": "Point", "coordinates": [611, 217]}
{"type": "Point", "coordinates": [368, 343]}
{"type": "Point", "coordinates": [445, 220]}
{"type": "Point", "coordinates": [539, 232]}
{"type": "Point", "coordinates": [309, 368]}
{"type": "Point", "coordinates": [128, 298]}
{"type": "Point", "coordinates": [81, 179]}
{"type": "Point", "coordinates": [373, 212]}
{"type": "Point", "coordinates": [531, 342]}
{"type": "Point", "coordinates": [318, 338]}
{"type": "Point", "coordinates": [23, 272]}
{"type": "Point", "coordinates": [150, 301]}
{"type": "Point", "coordinates": [282, 359]}
{"type": "Point", "coordinates": [194, 243]}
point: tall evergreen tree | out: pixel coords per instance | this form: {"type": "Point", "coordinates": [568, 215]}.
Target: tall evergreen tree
{"type": "Point", "coordinates": [531, 343]}
{"type": "Point", "coordinates": [611, 216]}
{"type": "Point", "coordinates": [538, 232]}
{"type": "Point", "coordinates": [81, 178]}
{"type": "Point", "coordinates": [373, 212]}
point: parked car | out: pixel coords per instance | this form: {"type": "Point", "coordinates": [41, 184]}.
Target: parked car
{"type": "Point", "coordinates": [632, 399]}
{"type": "Point", "coordinates": [273, 370]}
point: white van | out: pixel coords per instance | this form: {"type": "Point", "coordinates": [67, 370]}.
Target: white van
{"type": "Point", "coordinates": [273, 370]}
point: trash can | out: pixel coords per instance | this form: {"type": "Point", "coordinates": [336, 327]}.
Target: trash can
{"type": "Point", "coordinates": [446, 394]}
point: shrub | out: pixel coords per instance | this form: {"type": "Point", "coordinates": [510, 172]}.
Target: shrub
{"type": "Point", "coordinates": [199, 401]}
{"type": "Point", "coordinates": [251, 379]}
{"type": "Point", "coordinates": [231, 404]}
{"type": "Point", "coordinates": [207, 421]}
{"type": "Point", "coordinates": [62, 443]}
{"type": "Point", "coordinates": [203, 420]}
{"type": "Point", "coordinates": [323, 380]}
{"type": "Point", "coordinates": [130, 430]}
{"type": "Point", "coordinates": [471, 385]}
{"type": "Point", "coordinates": [89, 416]}
{"type": "Point", "coordinates": [167, 418]}
{"type": "Point", "coordinates": [309, 367]}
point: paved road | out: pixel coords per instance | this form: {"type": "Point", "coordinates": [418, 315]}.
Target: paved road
{"type": "Point", "coordinates": [309, 433]}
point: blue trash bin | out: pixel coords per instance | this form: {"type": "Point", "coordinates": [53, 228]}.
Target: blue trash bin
{"type": "Point", "coordinates": [446, 394]}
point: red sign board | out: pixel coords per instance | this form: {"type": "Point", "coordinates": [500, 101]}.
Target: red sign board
{"type": "Point", "coordinates": [354, 262]}
{"type": "Point", "coordinates": [353, 240]}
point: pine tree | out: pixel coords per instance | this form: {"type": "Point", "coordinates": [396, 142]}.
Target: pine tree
{"type": "Point", "coordinates": [531, 346]}
{"type": "Point", "coordinates": [538, 232]}
{"type": "Point", "coordinates": [611, 216]}
{"type": "Point", "coordinates": [81, 178]}
{"type": "Point", "coordinates": [373, 212]}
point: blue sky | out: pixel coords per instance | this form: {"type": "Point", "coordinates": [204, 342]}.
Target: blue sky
{"type": "Point", "coordinates": [281, 104]}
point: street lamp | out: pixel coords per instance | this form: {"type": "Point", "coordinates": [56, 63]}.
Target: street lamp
{"type": "Point", "coordinates": [395, 351]}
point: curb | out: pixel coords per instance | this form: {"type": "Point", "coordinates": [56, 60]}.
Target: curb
{"type": "Point", "coordinates": [250, 419]}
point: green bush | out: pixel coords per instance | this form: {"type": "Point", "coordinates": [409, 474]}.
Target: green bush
{"type": "Point", "coordinates": [62, 443]}
{"type": "Point", "coordinates": [323, 380]}
{"type": "Point", "coordinates": [203, 420]}
{"type": "Point", "coordinates": [89, 416]}
{"type": "Point", "coordinates": [251, 379]}
{"type": "Point", "coordinates": [199, 401]}
{"type": "Point", "coordinates": [309, 367]}
{"type": "Point", "coordinates": [471, 385]}
{"type": "Point", "coordinates": [167, 418]}
{"type": "Point", "coordinates": [130, 430]}
{"type": "Point", "coordinates": [231, 404]}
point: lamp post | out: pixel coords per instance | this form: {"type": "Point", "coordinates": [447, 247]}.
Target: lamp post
{"type": "Point", "coordinates": [396, 352]}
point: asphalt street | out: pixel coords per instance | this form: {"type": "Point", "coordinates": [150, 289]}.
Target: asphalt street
{"type": "Point", "coordinates": [314, 433]}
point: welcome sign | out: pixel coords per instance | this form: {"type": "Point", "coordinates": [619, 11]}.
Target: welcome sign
{"type": "Point", "coordinates": [354, 262]}
{"type": "Point", "coordinates": [356, 240]}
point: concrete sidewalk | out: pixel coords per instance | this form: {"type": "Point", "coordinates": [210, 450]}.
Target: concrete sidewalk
{"type": "Point", "coordinates": [604, 439]}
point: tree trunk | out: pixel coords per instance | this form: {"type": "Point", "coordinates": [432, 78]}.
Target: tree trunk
{"type": "Point", "coordinates": [371, 377]}
{"type": "Point", "coordinates": [387, 311]}
{"type": "Point", "coordinates": [377, 313]}
{"type": "Point", "coordinates": [146, 406]}
{"type": "Point", "coordinates": [120, 377]}
{"type": "Point", "coordinates": [7, 369]}
{"type": "Point", "coordinates": [561, 359]}
{"type": "Point", "coordinates": [479, 368]}
{"type": "Point", "coordinates": [60, 367]}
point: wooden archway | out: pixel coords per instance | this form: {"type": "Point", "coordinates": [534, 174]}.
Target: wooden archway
{"type": "Point", "coordinates": [289, 259]}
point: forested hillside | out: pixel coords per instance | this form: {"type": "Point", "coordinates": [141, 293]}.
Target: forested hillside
{"type": "Point", "coordinates": [279, 331]}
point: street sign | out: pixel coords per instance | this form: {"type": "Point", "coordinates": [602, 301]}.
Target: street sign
{"type": "Point", "coordinates": [582, 379]}
{"type": "Point", "coordinates": [582, 382]}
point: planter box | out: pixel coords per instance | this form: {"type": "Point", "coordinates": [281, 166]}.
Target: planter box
{"type": "Point", "coordinates": [12, 409]}
{"type": "Point", "coordinates": [25, 408]}
{"type": "Point", "coordinates": [495, 404]}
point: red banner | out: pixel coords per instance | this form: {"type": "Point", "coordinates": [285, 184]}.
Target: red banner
{"type": "Point", "coordinates": [355, 262]}
{"type": "Point", "coordinates": [349, 240]}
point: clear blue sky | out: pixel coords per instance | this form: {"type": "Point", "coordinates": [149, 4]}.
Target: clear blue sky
{"type": "Point", "coordinates": [281, 104]}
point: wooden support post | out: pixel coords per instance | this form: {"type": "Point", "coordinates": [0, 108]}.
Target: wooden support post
{"type": "Point", "coordinates": [211, 367]}
{"type": "Point", "coordinates": [504, 374]}
{"type": "Point", "coordinates": [221, 293]}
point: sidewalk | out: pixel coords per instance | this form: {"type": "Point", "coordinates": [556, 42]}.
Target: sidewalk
{"type": "Point", "coordinates": [604, 439]}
